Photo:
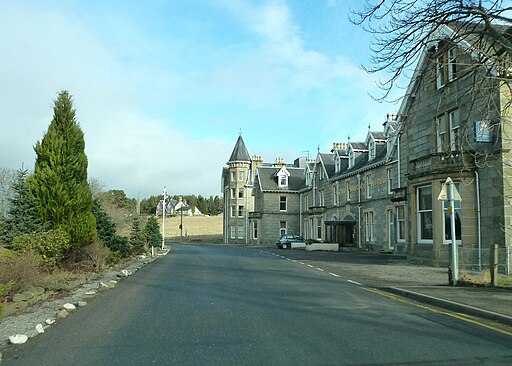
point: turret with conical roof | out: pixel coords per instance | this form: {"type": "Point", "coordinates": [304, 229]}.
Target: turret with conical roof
{"type": "Point", "coordinates": [237, 190]}
{"type": "Point", "coordinates": [240, 152]}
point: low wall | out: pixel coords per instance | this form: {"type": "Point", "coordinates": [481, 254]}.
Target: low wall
{"type": "Point", "coordinates": [331, 247]}
{"type": "Point", "coordinates": [298, 245]}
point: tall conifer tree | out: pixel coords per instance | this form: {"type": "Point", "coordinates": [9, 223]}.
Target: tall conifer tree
{"type": "Point", "coordinates": [59, 182]}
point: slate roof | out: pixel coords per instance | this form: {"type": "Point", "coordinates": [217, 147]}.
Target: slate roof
{"type": "Point", "coordinates": [358, 146]}
{"type": "Point", "coordinates": [378, 135]}
{"type": "Point", "coordinates": [362, 160]}
{"type": "Point", "coordinates": [240, 152]}
{"type": "Point", "coordinates": [267, 179]}
{"type": "Point", "coordinates": [328, 163]}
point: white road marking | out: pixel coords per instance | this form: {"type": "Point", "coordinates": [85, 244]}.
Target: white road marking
{"type": "Point", "coordinates": [320, 269]}
{"type": "Point", "coordinates": [333, 274]}
{"type": "Point", "coordinates": [355, 283]}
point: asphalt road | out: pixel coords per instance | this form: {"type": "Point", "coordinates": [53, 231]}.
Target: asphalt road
{"type": "Point", "coordinates": [214, 305]}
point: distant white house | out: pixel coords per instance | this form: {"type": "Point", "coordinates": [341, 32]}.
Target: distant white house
{"type": "Point", "coordinates": [177, 207]}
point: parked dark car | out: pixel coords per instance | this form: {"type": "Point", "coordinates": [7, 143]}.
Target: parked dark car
{"type": "Point", "coordinates": [284, 242]}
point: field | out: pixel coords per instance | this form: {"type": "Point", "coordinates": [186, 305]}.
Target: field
{"type": "Point", "coordinates": [195, 228]}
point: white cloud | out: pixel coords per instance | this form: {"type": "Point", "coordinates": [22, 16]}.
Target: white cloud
{"type": "Point", "coordinates": [122, 76]}
{"type": "Point", "coordinates": [126, 148]}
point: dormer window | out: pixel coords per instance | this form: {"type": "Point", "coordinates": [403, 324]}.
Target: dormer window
{"type": "Point", "coordinates": [337, 164]}
{"type": "Point", "coordinates": [283, 181]}
{"type": "Point", "coordinates": [282, 177]}
{"type": "Point", "coordinates": [371, 147]}
{"type": "Point", "coordinates": [351, 159]}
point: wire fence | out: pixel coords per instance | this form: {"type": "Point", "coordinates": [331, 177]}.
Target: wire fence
{"type": "Point", "coordinates": [477, 260]}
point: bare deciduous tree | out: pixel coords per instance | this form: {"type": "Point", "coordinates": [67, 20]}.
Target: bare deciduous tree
{"type": "Point", "coordinates": [403, 28]}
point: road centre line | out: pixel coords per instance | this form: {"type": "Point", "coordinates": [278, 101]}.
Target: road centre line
{"type": "Point", "coordinates": [320, 269]}
{"type": "Point", "coordinates": [309, 265]}
{"type": "Point", "coordinates": [462, 317]}
{"type": "Point", "coordinates": [355, 283]}
{"type": "Point", "coordinates": [333, 274]}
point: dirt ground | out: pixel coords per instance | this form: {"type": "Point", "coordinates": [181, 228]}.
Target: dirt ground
{"type": "Point", "coordinates": [195, 228]}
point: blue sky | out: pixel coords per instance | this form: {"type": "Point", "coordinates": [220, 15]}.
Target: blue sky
{"type": "Point", "coordinates": [162, 88]}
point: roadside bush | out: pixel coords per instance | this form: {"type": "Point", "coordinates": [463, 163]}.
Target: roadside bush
{"type": "Point", "coordinates": [114, 257]}
{"type": "Point", "coordinates": [50, 245]}
{"type": "Point", "coordinates": [98, 255]}
{"type": "Point", "coordinates": [120, 245]}
{"type": "Point", "coordinates": [18, 271]}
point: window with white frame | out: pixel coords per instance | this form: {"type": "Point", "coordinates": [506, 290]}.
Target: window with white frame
{"type": "Point", "coordinates": [337, 164]}
{"type": "Point", "coordinates": [282, 203]}
{"type": "Point", "coordinates": [371, 148]}
{"type": "Point", "coordinates": [368, 220]}
{"type": "Point", "coordinates": [240, 211]}
{"type": "Point", "coordinates": [255, 229]}
{"type": "Point", "coordinates": [232, 232]}
{"type": "Point", "coordinates": [454, 130]}
{"type": "Point", "coordinates": [283, 180]}
{"type": "Point", "coordinates": [233, 211]}
{"type": "Point", "coordinates": [347, 190]}
{"type": "Point", "coordinates": [447, 227]}
{"type": "Point", "coordinates": [389, 173]}
{"type": "Point", "coordinates": [306, 202]}
{"type": "Point", "coordinates": [452, 64]}
{"type": "Point", "coordinates": [233, 176]}
{"type": "Point", "coordinates": [400, 223]}
{"type": "Point", "coordinates": [240, 231]}
{"type": "Point", "coordinates": [241, 175]}
{"type": "Point", "coordinates": [335, 194]}
{"type": "Point", "coordinates": [282, 228]}
{"type": "Point", "coordinates": [441, 133]}
{"type": "Point", "coordinates": [369, 188]}
{"type": "Point", "coordinates": [424, 214]}
{"type": "Point", "coordinates": [319, 228]}
{"type": "Point", "coordinates": [240, 193]}
{"type": "Point", "coordinates": [233, 190]}
{"type": "Point", "coordinates": [351, 159]}
{"type": "Point", "coordinates": [440, 74]}
{"type": "Point", "coordinates": [321, 198]}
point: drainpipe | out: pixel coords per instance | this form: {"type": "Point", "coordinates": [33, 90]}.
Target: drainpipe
{"type": "Point", "coordinates": [359, 210]}
{"type": "Point", "coordinates": [300, 215]}
{"type": "Point", "coordinates": [479, 224]}
{"type": "Point", "coordinates": [398, 159]}
{"type": "Point", "coordinates": [246, 205]}
{"type": "Point", "coordinates": [226, 215]}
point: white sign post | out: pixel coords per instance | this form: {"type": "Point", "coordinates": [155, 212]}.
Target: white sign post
{"type": "Point", "coordinates": [449, 193]}
{"type": "Point", "coordinates": [163, 217]}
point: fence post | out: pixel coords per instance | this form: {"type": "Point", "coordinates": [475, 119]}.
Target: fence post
{"type": "Point", "coordinates": [494, 265]}
{"type": "Point", "coordinates": [508, 260]}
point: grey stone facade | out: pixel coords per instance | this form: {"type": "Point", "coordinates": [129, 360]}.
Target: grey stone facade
{"type": "Point", "coordinates": [382, 194]}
